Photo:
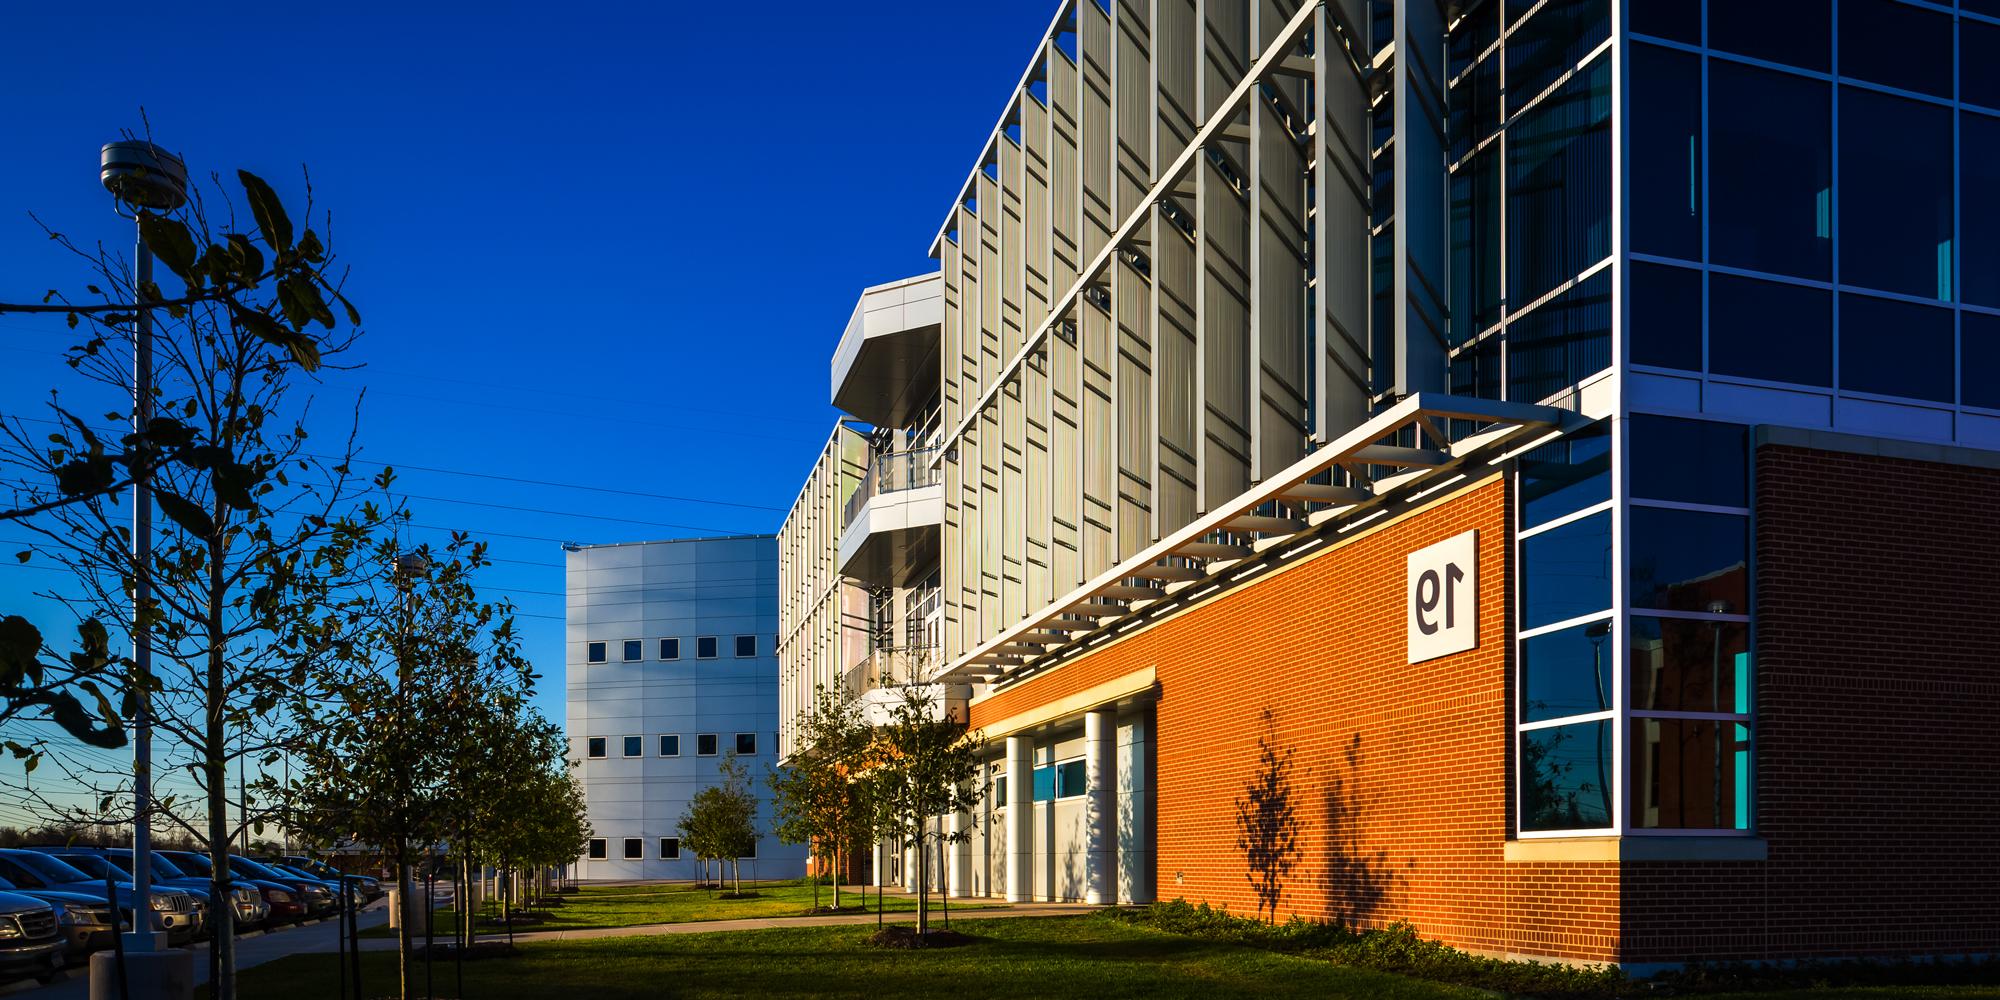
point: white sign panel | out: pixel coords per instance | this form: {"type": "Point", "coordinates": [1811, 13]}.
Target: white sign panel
{"type": "Point", "coordinates": [1443, 598]}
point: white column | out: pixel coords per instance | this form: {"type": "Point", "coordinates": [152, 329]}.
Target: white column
{"type": "Point", "coordinates": [910, 861]}
{"type": "Point", "coordinates": [881, 864]}
{"type": "Point", "coordinates": [1020, 818]}
{"type": "Point", "coordinates": [1135, 813]}
{"type": "Point", "coordinates": [958, 879]}
{"type": "Point", "coordinates": [1100, 806]}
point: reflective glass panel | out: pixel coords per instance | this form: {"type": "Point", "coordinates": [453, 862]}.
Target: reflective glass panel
{"type": "Point", "coordinates": [1685, 665]}
{"type": "Point", "coordinates": [1566, 777]}
{"type": "Point", "coordinates": [1552, 40]}
{"type": "Point", "coordinates": [1045, 782]}
{"type": "Point", "coordinates": [1559, 185]}
{"type": "Point", "coordinates": [1793, 32]}
{"type": "Point", "coordinates": [1979, 63]}
{"type": "Point", "coordinates": [1689, 461]}
{"type": "Point", "coordinates": [1679, 20]}
{"type": "Point", "coordinates": [1895, 194]}
{"type": "Point", "coordinates": [1990, 8]}
{"type": "Point", "coordinates": [1895, 348]}
{"type": "Point", "coordinates": [1566, 672]}
{"type": "Point", "coordinates": [1768, 330]}
{"type": "Point", "coordinates": [1979, 357]}
{"type": "Point", "coordinates": [1770, 171]}
{"type": "Point", "coordinates": [1069, 779]}
{"type": "Point", "coordinates": [1666, 152]}
{"type": "Point", "coordinates": [1666, 316]}
{"type": "Point", "coordinates": [1896, 45]}
{"type": "Point", "coordinates": [1979, 208]}
{"type": "Point", "coordinates": [1475, 245]}
{"type": "Point", "coordinates": [1566, 571]}
{"type": "Point", "coordinates": [1477, 30]}
{"type": "Point", "coordinates": [1563, 477]}
{"type": "Point", "coordinates": [1474, 103]}
{"type": "Point", "coordinates": [1561, 342]}
{"type": "Point", "coordinates": [1684, 560]}
{"type": "Point", "coordinates": [1690, 774]}
{"type": "Point", "coordinates": [634, 746]}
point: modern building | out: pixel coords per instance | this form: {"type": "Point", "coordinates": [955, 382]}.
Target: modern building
{"type": "Point", "coordinates": [1526, 469]}
{"type": "Point", "coordinates": [671, 667]}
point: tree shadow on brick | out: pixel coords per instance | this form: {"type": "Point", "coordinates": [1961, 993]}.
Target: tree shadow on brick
{"type": "Point", "coordinates": [1357, 882]}
{"type": "Point", "coordinates": [1267, 824]}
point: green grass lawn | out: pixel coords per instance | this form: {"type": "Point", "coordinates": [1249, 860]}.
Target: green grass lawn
{"type": "Point", "coordinates": [1018, 957]}
{"type": "Point", "coordinates": [628, 906]}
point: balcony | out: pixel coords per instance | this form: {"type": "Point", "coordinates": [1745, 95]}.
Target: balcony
{"type": "Point", "coordinates": [886, 367]}
{"type": "Point", "coordinates": [887, 676]}
{"type": "Point", "coordinates": [893, 519]}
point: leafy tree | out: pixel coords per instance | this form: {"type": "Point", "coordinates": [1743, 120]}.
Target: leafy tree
{"type": "Point", "coordinates": [818, 797]}
{"type": "Point", "coordinates": [926, 769]}
{"type": "Point", "coordinates": [720, 823]}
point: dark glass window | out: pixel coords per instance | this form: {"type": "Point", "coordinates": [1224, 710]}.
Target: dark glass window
{"type": "Point", "coordinates": [594, 652]}
{"type": "Point", "coordinates": [1895, 348]}
{"type": "Point", "coordinates": [635, 849]}
{"type": "Point", "coordinates": [1566, 777]}
{"type": "Point", "coordinates": [1561, 342]}
{"type": "Point", "coordinates": [1566, 571]}
{"type": "Point", "coordinates": [1666, 316]}
{"type": "Point", "coordinates": [1666, 152]}
{"type": "Point", "coordinates": [746, 645]}
{"type": "Point", "coordinates": [1691, 774]}
{"type": "Point", "coordinates": [1475, 246]}
{"type": "Point", "coordinates": [1895, 194]}
{"type": "Point", "coordinates": [596, 747]}
{"type": "Point", "coordinates": [705, 745]}
{"type": "Point", "coordinates": [596, 849]}
{"type": "Point", "coordinates": [1793, 32]}
{"type": "Point", "coordinates": [1770, 170]}
{"type": "Point", "coordinates": [999, 791]}
{"type": "Point", "coordinates": [1474, 108]}
{"type": "Point", "coordinates": [1690, 461]}
{"type": "Point", "coordinates": [746, 744]}
{"type": "Point", "coordinates": [1685, 560]}
{"type": "Point", "coordinates": [670, 746]}
{"type": "Point", "coordinates": [1979, 67]}
{"type": "Point", "coordinates": [1897, 45]}
{"type": "Point", "coordinates": [635, 746]}
{"type": "Point", "coordinates": [1684, 665]}
{"type": "Point", "coordinates": [704, 647]}
{"type": "Point", "coordinates": [1768, 330]}
{"type": "Point", "coordinates": [1679, 20]}
{"type": "Point", "coordinates": [1559, 191]}
{"type": "Point", "coordinates": [1476, 32]}
{"type": "Point", "coordinates": [1566, 672]}
{"type": "Point", "coordinates": [634, 651]}
{"type": "Point", "coordinates": [1070, 779]}
{"type": "Point", "coordinates": [670, 848]}
{"type": "Point", "coordinates": [1563, 477]}
{"type": "Point", "coordinates": [1045, 782]}
{"type": "Point", "coordinates": [1476, 372]}
{"type": "Point", "coordinates": [1990, 8]}
{"type": "Point", "coordinates": [752, 852]}
{"type": "Point", "coordinates": [670, 649]}
{"type": "Point", "coordinates": [1979, 360]}
{"type": "Point", "coordinates": [1552, 40]}
{"type": "Point", "coordinates": [1979, 208]}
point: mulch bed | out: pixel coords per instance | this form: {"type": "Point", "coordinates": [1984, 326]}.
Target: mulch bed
{"type": "Point", "coordinates": [479, 950]}
{"type": "Point", "coordinates": [520, 920]}
{"type": "Point", "coordinates": [821, 911]}
{"type": "Point", "coordinates": [904, 936]}
{"type": "Point", "coordinates": [741, 895]}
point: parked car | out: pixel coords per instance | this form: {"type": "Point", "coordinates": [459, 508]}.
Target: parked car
{"type": "Point", "coordinates": [170, 910]}
{"type": "Point", "coordinates": [367, 887]}
{"type": "Point", "coordinates": [31, 941]}
{"type": "Point", "coordinates": [281, 901]}
{"type": "Point", "coordinates": [321, 898]}
{"type": "Point", "coordinates": [86, 922]}
{"type": "Point", "coordinates": [99, 867]}
{"type": "Point", "coordinates": [246, 899]}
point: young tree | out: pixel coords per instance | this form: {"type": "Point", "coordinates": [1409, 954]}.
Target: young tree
{"type": "Point", "coordinates": [818, 797]}
{"type": "Point", "coordinates": [720, 823]}
{"type": "Point", "coordinates": [926, 769]}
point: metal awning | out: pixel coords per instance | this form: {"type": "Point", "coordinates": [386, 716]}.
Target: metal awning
{"type": "Point", "coordinates": [1396, 458]}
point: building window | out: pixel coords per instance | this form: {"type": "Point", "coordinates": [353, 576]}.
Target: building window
{"type": "Point", "coordinates": [1044, 778]}
{"type": "Point", "coordinates": [1896, 348]}
{"type": "Point", "coordinates": [670, 848]}
{"type": "Point", "coordinates": [1770, 171]}
{"type": "Point", "coordinates": [635, 746]}
{"type": "Point", "coordinates": [746, 645]}
{"type": "Point", "coordinates": [1895, 190]}
{"type": "Point", "coordinates": [596, 849]}
{"type": "Point", "coordinates": [670, 745]}
{"type": "Point", "coordinates": [1666, 147]}
{"type": "Point", "coordinates": [635, 849]}
{"type": "Point", "coordinates": [1070, 779]}
{"type": "Point", "coordinates": [752, 854]}
{"type": "Point", "coordinates": [670, 649]}
{"type": "Point", "coordinates": [1769, 330]}
{"type": "Point", "coordinates": [704, 745]}
{"type": "Point", "coordinates": [596, 748]}
{"type": "Point", "coordinates": [634, 651]}
{"type": "Point", "coordinates": [594, 652]}
{"type": "Point", "coordinates": [704, 648]}
{"type": "Point", "coordinates": [1666, 316]}
{"type": "Point", "coordinates": [746, 744]}
{"type": "Point", "coordinates": [999, 791]}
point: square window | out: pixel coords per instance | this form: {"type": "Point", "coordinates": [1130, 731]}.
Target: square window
{"type": "Point", "coordinates": [1070, 779]}
{"type": "Point", "coordinates": [596, 850]}
{"type": "Point", "coordinates": [704, 745]}
{"type": "Point", "coordinates": [670, 745]}
{"type": "Point", "coordinates": [1690, 461]}
{"type": "Point", "coordinates": [1666, 316]}
{"type": "Point", "coordinates": [1566, 571]}
{"type": "Point", "coordinates": [1690, 774]}
{"type": "Point", "coordinates": [594, 652]}
{"type": "Point", "coordinates": [1044, 778]}
{"type": "Point", "coordinates": [1566, 777]}
{"type": "Point", "coordinates": [1793, 32]}
{"type": "Point", "coordinates": [1690, 665]}
{"type": "Point", "coordinates": [1919, 59]}
{"type": "Point", "coordinates": [1687, 560]}
{"type": "Point", "coordinates": [596, 748]}
{"type": "Point", "coordinates": [1566, 672]}
{"type": "Point", "coordinates": [753, 851]}
{"type": "Point", "coordinates": [635, 849]}
{"type": "Point", "coordinates": [746, 645]}
{"type": "Point", "coordinates": [1769, 330]}
{"type": "Point", "coordinates": [1895, 348]}
{"type": "Point", "coordinates": [746, 744]}
{"type": "Point", "coordinates": [670, 848]}
{"type": "Point", "coordinates": [704, 648]}
{"type": "Point", "coordinates": [634, 746]}
{"type": "Point", "coordinates": [670, 649]}
{"type": "Point", "coordinates": [634, 651]}
{"type": "Point", "coordinates": [1563, 477]}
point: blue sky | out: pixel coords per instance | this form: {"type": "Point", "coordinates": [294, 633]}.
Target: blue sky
{"type": "Point", "coordinates": [603, 245]}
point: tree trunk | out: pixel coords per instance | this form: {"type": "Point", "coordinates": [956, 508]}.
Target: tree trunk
{"type": "Point", "coordinates": [923, 886]}
{"type": "Point", "coordinates": [403, 923]}
{"type": "Point", "coordinates": [220, 878]}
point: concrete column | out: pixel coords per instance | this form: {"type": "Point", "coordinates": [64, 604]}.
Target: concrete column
{"type": "Point", "coordinates": [1135, 810]}
{"type": "Point", "coordinates": [910, 861]}
{"type": "Point", "coordinates": [1020, 818]}
{"type": "Point", "coordinates": [958, 879]}
{"type": "Point", "coordinates": [1100, 806]}
{"type": "Point", "coordinates": [881, 863]}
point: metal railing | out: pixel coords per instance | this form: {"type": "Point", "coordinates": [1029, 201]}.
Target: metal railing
{"type": "Point", "coordinates": [892, 472]}
{"type": "Point", "coordinates": [891, 667]}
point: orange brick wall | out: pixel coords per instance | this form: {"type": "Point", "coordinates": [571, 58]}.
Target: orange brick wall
{"type": "Point", "coordinates": [1399, 773]}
